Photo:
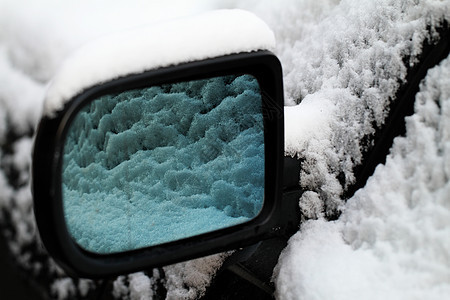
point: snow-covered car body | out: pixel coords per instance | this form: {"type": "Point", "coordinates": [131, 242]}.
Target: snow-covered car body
{"type": "Point", "coordinates": [344, 64]}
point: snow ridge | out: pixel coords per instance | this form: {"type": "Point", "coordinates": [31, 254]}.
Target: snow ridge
{"type": "Point", "coordinates": [208, 35]}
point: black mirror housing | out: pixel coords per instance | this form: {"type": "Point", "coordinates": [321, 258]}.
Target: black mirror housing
{"type": "Point", "coordinates": [48, 163]}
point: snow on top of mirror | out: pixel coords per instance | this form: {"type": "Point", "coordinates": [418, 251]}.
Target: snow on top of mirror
{"type": "Point", "coordinates": [208, 35]}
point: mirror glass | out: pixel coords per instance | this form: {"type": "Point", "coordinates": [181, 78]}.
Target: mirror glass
{"type": "Point", "coordinates": [162, 163]}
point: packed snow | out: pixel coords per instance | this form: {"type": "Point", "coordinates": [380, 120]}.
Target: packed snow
{"type": "Point", "coordinates": [154, 165]}
{"type": "Point", "coordinates": [343, 62]}
{"type": "Point", "coordinates": [212, 34]}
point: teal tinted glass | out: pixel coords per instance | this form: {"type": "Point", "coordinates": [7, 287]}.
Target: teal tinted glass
{"type": "Point", "coordinates": [158, 164]}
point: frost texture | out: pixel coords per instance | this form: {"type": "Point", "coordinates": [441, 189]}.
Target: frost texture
{"type": "Point", "coordinates": [392, 240]}
{"type": "Point", "coordinates": [189, 280]}
{"type": "Point", "coordinates": [154, 165]}
{"type": "Point", "coordinates": [353, 72]}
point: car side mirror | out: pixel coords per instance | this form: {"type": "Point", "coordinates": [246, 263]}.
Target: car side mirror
{"type": "Point", "coordinates": [140, 164]}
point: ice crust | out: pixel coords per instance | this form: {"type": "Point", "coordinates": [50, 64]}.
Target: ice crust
{"type": "Point", "coordinates": [158, 164]}
{"type": "Point", "coordinates": [209, 35]}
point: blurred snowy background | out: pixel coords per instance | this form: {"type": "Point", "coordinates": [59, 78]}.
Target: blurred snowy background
{"type": "Point", "coordinates": [343, 63]}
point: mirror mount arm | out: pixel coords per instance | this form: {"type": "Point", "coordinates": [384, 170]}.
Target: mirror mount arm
{"type": "Point", "coordinates": [292, 192]}
{"type": "Point", "coordinates": [249, 258]}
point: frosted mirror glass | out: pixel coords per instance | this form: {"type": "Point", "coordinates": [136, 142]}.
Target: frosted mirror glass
{"type": "Point", "coordinates": [158, 164]}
